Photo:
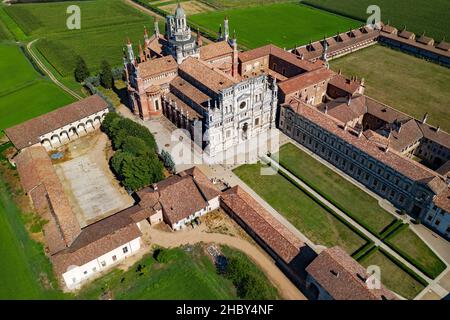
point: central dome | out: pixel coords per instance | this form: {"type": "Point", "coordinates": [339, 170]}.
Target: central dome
{"type": "Point", "coordinates": [179, 13]}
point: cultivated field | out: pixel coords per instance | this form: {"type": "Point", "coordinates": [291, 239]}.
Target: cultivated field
{"type": "Point", "coordinates": [24, 93]}
{"type": "Point", "coordinates": [105, 26]}
{"type": "Point", "coordinates": [231, 4]}
{"type": "Point", "coordinates": [392, 276]}
{"type": "Point", "coordinates": [417, 15]}
{"type": "Point", "coordinates": [283, 24]}
{"type": "Point", "coordinates": [190, 7]}
{"type": "Point", "coordinates": [404, 82]}
{"type": "Point", "coordinates": [320, 226]}
{"type": "Point", "coordinates": [364, 208]}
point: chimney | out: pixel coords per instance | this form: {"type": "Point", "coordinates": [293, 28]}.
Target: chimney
{"type": "Point", "coordinates": [349, 99]}
{"type": "Point", "coordinates": [360, 133]}
{"type": "Point", "coordinates": [438, 128]}
{"type": "Point", "coordinates": [326, 108]}
{"type": "Point", "coordinates": [155, 187]}
{"type": "Point", "coordinates": [399, 128]}
{"type": "Point", "coordinates": [425, 118]}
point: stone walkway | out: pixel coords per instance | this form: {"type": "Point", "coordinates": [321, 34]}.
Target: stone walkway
{"type": "Point", "coordinates": [169, 239]}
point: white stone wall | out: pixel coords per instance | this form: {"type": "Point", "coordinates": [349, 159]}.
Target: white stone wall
{"type": "Point", "coordinates": [213, 204]}
{"type": "Point", "coordinates": [76, 275]}
{"type": "Point", "coordinates": [250, 104]}
{"type": "Point", "coordinates": [71, 131]}
{"type": "Point", "coordinates": [438, 219]}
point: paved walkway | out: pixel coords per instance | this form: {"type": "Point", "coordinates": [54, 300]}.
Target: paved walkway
{"type": "Point", "coordinates": [166, 239]}
{"type": "Point", "coordinates": [48, 72]}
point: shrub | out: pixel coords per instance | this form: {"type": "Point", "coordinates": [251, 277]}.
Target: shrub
{"type": "Point", "coordinates": [106, 76]}
{"type": "Point", "coordinates": [168, 161]}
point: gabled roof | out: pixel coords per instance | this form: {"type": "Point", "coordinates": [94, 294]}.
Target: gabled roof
{"type": "Point", "coordinates": [305, 80]}
{"type": "Point", "coordinates": [28, 133]}
{"type": "Point", "coordinates": [215, 50]}
{"type": "Point", "coordinates": [343, 278]}
{"type": "Point", "coordinates": [157, 66]}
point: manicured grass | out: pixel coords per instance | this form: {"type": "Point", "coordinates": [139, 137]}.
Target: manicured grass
{"type": "Point", "coordinates": [412, 248]}
{"type": "Point", "coordinates": [23, 261]}
{"type": "Point", "coordinates": [392, 276]}
{"type": "Point", "coordinates": [360, 205]}
{"type": "Point", "coordinates": [105, 26]}
{"type": "Point", "coordinates": [31, 101]}
{"type": "Point", "coordinates": [404, 82]}
{"type": "Point", "coordinates": [283, 24]}
{"type": "Point", "coordinates": [417, 15]}
{"type": "Point", "coordinates": [186, 275]}
{"type": "Point", "coordinates": [303, 212]}
{"type": "Point", "coordinates": [231, 4]}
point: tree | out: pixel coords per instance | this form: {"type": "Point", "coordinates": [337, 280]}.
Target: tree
{"type": "Point", "coordinates": [106, 77]}
{"type": "Point", "coordinates": [135, 146]}
{"type": "Point", "coordinates": [168, 161]}
{"type": "Point", "coordinates": [81, 70]}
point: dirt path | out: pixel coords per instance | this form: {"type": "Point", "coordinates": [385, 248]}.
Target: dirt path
{"type": "Point", "coordinates": [285, 287]}
{"type": "Point", "coordinates": [51, 76]}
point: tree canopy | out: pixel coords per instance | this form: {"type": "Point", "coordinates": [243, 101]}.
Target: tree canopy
{"type": "Point", "coordinates": [81, 71]}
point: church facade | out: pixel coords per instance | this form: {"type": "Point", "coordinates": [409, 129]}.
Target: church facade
{"type": "Point", "coordinates": [198, 87]}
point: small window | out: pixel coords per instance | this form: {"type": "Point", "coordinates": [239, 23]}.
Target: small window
{"type": "Point", "coordinates": [125, 249]}
{"type": "Point", "coordinates": [103, 263]}
{"type": "Point", "coordinates": [85, 272]}
{"type": "Point", "coordinates": [114, 257]}
{"type": "Point", "coordinates": [438, 222]}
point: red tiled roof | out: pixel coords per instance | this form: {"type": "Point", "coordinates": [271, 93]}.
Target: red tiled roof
{"type": "Point", "coordinates": [28, 133]}
{"type": "Point", "coordinates": [215, 50]}
{"type": "Point", "coordinates": [157, 66]}
{"type": "Point", "coordinates": [344, 278]}
{"type": "Point", "coordinates": [443, 200]}
{"type": "Point", "coordinates": [347, 85]}
{"type": "Point", "coordinates": [281, 240]}
{"type": "Point", "coordinates": [305, 80]}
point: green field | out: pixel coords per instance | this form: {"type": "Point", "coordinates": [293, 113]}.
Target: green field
{"type": "Point", "coordinates": [417, 15]}
{"type": "Point", "coordinates": [23, 260]}
{"type": "Point", "coordinates": [283, 24]}
{"type": "Point", "coordinates": [351, 199]}
{"type": "Point", "coordinates": [185, 275]}
{"type": "Point", "coordinates": [320, 226]}
{"type": "Point", "coordinates": [392, 276]}
{"type": "Point", "coordinates": [231, 4]}
{"type": "Point", "coordinates": [404, 82]}
{"type": "Point", "coordinates": [105, 26]}
{"type": "Point", "coordinates": [412, 248]}
{"type": "Point", "coordinates": [24, 92]}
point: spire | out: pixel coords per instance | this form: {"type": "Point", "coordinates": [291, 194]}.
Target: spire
{"type": "Point", "coordinates": [145, 33]}
{"type": "Point", "coordinates": [226, 29]}
{"type": "Point", "coordinates": [131, 57]}
{"type": "Point", "coordinates": [141, 53]}
{"type": "Point", "coordinates": [156, 27]}
{"type": "Point", "coordinates": [220, 33]}
{"type": "Point", "coordinates": [199, 38]}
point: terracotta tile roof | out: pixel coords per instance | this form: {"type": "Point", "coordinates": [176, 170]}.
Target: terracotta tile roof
{"type": "Point", "coordinates": [425, 40]}
{"type": "Point", "coordinates": [157, 66]}
{"type": "Point", "coordinates": [409, 134]}
{"type": "Point", "coordinates": [270, 49]}
{"type": "Point", "coordinates": [180, 195]}
{"type": "Point", "coordinates": [276, 236]}
{"type": "Point", "coordinates": [344, 278]}
{"type": "Point", "coordinates": [347, 85]}
{"type": "Point", "coordinates": [213, 79]}
{"type": "Point", "coordinates": [443, 200]}
{"type": "Point", "coordinates": [190, 113]}
{"type": "Point", "coordinates": [438, 136]}
{"type": "Point", "coordinates": [98, 239]}
{"type": "Point", "coordinates": [385, 112]}
{"type": "Point", "coordinates": [443, 46]}
{"type": "Point", "coordinates": [389, 29]}
{"type": "Point", "coordinates": [436, 184]}
{"type": "Point", "coordinates": [28, 133]}
{"type": "Point", "coordinates": [391, 158]}
{"type": "Point", "coordinates": [406, 34]}
{"type": "Point", "coordinates": [215, 50]}
{"type": "Point", "coordinates": [36, 160]}
{"type": "Point", "coordinates": [444, 170]}
{"type": "Point", "coordinates": [376, 138]}
{"type": "Point", "coordinates": [345, 110]}
{"type": "Point", "coordinates": [305, 80]}
{"type": "Point", "coordinates": [185, 90]}
{"type": "Point", "coordinates": [438, 50]}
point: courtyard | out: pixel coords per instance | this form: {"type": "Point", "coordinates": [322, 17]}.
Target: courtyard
{"type": "Point", "coordinates": [93, 191]}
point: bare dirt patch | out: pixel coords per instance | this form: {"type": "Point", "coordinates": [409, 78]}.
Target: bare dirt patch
{"type": "Point", "coordinates": [190, 7]}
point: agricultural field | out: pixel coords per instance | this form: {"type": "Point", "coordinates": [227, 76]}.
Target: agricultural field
{"type": "Point", "coordinates": [412, 248]}
{"type": "Point", "coordinates": [230, 4]}
{"type": "Point", "coordinates": [320, 226]}
{"type": "Point", "coordinates": [418, 16]}
{"type": "Point", "coordinates": [25, 93]}
{"type": "Point", "coordinates": [190, 7]}
{"type": "Point", "coordinates": [105, 26]}
{"type": "Point", "coordinates": [393, 77]}
{"type": "Point", "coordinates": [350, 198]}
{"type": "Point", "coordinates": [283, 24]}
{"type": "Point", "coordinates": [392, 276]}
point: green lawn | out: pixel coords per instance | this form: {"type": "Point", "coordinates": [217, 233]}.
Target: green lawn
{"type": "Point", "coordinates": [185, 275]}
{"type": "Point", "coordinates": [320, 226]}
{"type": "Point", "coordinates": [32, 101]}
{"type": "Point", "coordinates": [412, 248]}
{"type": "Point", "coordinates": [105, 26]}
{"type": "Point", "coordinates": [23, 261]}
{"type": "Point", "coordinates": [417, 15]}
{"type": "Point", "coordinates": [231, 4]}
{"type": "Point", "coordinates": [362, 207]}
{"type": "Point", "coordinates": [392, 276]}
{"type": "Point", "coordinates": [283, 24]}
{"type": "Point", "coordinates": [404, 82]}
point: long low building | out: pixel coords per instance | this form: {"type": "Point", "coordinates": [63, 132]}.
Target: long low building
{"type": "Point", "coordinates": [60, 126]}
